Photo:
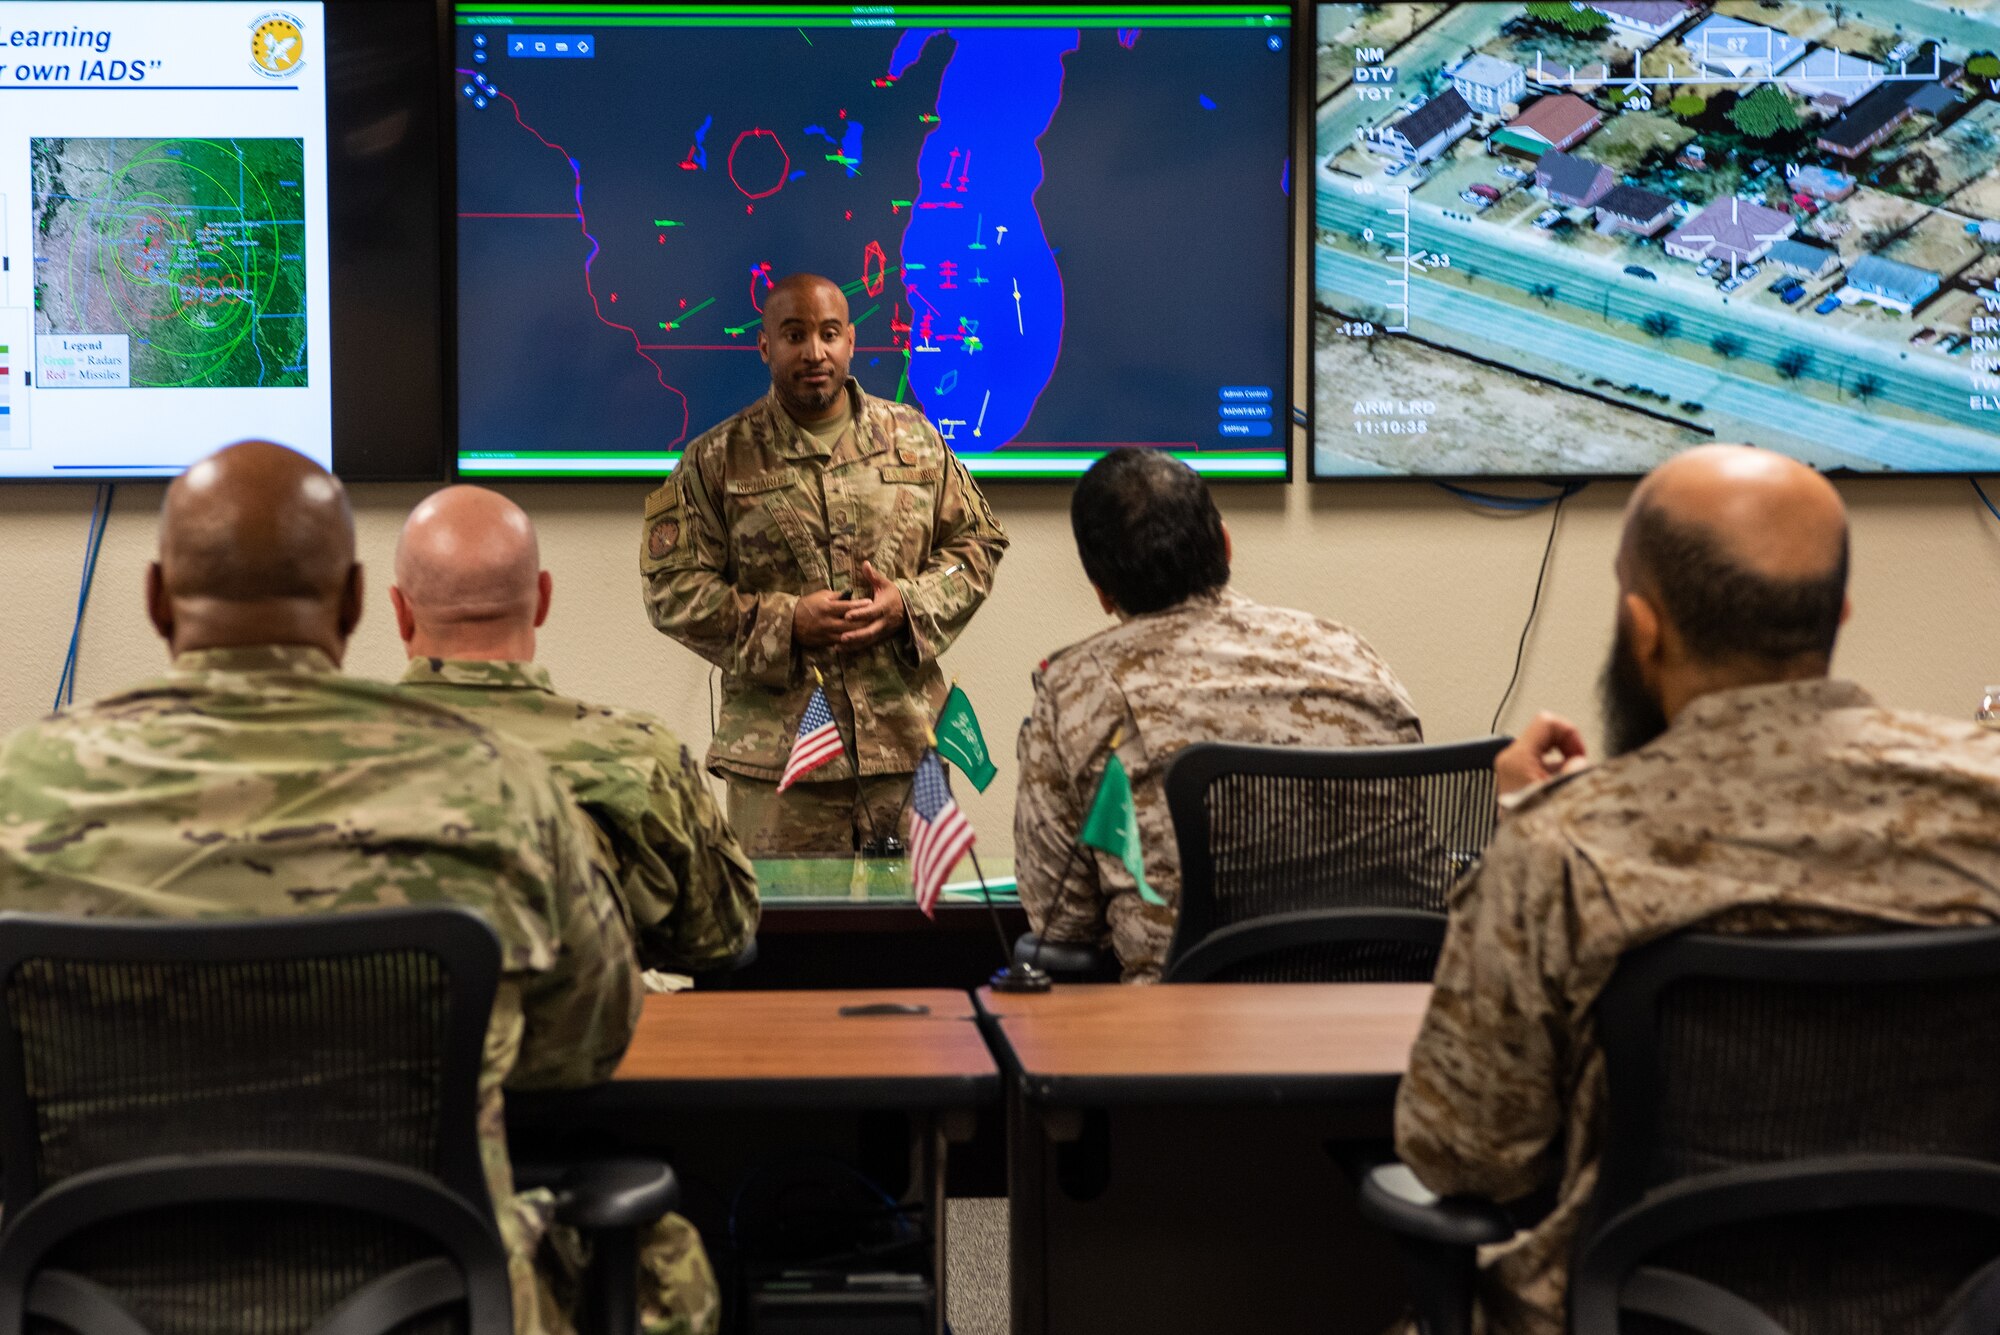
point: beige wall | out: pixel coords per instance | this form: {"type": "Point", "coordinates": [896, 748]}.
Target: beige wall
{"type": "Point", "coordinates": [1440, 589]}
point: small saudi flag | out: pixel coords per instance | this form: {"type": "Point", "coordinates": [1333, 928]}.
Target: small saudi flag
{"type": "Point", "coordinates": [1113, 826]}
{"type": "Point", "coordinates": [960, 741]}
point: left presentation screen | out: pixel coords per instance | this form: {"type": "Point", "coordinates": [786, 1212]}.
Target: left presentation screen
{"type": "Point", "coordinates": [163, 240]}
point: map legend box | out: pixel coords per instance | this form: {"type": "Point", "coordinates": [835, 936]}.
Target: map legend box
{"type": "Point", "coordinates": [84, 361]}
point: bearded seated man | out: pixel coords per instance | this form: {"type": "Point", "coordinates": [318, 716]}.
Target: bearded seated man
{"type": "Point", "coordinates": [1746, 791]}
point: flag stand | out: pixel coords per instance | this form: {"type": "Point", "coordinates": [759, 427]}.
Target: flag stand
{"type": "Point", "coordinates": [1017, 976]}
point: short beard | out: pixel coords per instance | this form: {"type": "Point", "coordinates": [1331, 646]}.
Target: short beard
{"type": "Point", "coordinates": [797, 402]}
{"type": "Point", "coordinates": [1632, 717]}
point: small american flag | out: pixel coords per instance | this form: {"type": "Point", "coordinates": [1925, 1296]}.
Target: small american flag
{"type": "Point", "coordinates": [818, 741]}
{"type": "Point", "coordinates": [939, 831]}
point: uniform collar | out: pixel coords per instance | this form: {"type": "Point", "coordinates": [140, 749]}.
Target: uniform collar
{"type": "Point", "coordinates": [294, 658]}
{"type": "Point", "coordinates": [489, 674]}
{"type": "Point", "coordinates": [1816, 695]}
{"type": "Point", "coordinates": [870, 433]}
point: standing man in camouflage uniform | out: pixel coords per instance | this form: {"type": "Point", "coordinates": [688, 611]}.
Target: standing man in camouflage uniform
{"type": "Point", "coordinates": [1746, 792]}
{"type": "Point", "coordinates": [255, 780]}
{"type": "Point", "coordinates": [1190, 660]}
{"type": "Point", "coordinates": [469, 596]}
{"type": "Point", "coordinates": [822, 529]}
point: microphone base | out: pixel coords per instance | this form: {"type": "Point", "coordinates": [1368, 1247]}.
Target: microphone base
{"type": "Point", "coordinates": [1021, 978]}
{"type": "Point", "coordinates": [888, 846]}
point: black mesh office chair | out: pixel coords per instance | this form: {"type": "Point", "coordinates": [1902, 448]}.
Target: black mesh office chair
{"type": "Point", "coordinates": [1803, 1139]}
{"type": "Point", "coordinates": [263, 1126]}
{"type": "Point", "coordinates": [1309, 865]}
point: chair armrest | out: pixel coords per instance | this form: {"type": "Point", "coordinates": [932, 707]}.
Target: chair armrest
{"type": "Point", "coordinates": [616, 1193]}
{"type": "Point", "coordinates": [1393, 1198]}
{"type": "Point", "coordinates": [1061, 958]}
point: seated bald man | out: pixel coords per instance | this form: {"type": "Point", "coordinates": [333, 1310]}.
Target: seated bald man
{"type": "Point", "coordinates": [1745, 791]}
{"type": "Point", "coordinates": [289, 779]}
{"type": "Point", "coordinates": [469, 595]}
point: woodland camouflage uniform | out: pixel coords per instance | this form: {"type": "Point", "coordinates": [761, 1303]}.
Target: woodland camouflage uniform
{"type": "Point", "coordinates": [259, 782]}
{"type": "Point", "coordinates": [690, 890]}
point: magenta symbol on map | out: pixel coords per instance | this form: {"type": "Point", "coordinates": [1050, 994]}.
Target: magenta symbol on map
{"type": "Point", "coordinates": [948, 270]}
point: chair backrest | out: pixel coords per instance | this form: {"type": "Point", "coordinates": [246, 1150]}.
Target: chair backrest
{"type": "Point", "coordinates": [1810, 1123]}
{"type": "Point", "coordinates": [1284, 836]}
{"type": "Point", "coordinates": [348, 1040]}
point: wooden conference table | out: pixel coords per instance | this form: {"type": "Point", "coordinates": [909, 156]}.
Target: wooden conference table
{"type": "Point", "coordinates": [822, 928]}
{"type": "Point", "coordinates": [719, 1081]}
{"type": "Point", "coordinates": [1168, 1161]}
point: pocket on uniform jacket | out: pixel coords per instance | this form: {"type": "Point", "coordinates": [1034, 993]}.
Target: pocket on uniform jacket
{"type": "Point", "coordinates": [772, 546]}
{"type": "Point", "coordinates": [906, 528]}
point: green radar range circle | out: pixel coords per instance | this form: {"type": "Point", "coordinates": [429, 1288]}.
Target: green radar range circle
{"type": "Point", "coordinates": [192, 248]}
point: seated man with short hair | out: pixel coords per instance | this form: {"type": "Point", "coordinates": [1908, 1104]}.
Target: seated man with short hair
{"type": "Point", "coordinates": [254, 780]}
{"type": "Point", "coordinates": [469, 595]}
{"type": "Point", "coordinates": [1746, 792]}
{"type": "Point", "coordinates": [1191, 660]}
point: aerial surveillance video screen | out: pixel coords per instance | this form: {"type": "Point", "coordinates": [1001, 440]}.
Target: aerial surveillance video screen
{"type": "Point", "coordinates": [1060, 230]}
{"type": "Point", "coordinates": [163, 204]}
{"type": "Point", "coordinates": [1566, 239]}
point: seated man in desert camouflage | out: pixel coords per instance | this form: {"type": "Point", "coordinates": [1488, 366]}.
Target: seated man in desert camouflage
{"type": "Point", "coordinates": [469, 595]}
{"type": "Point", "coordinates": [1746, 791]}
{"type": "Point", "coordinates": [1190, 660]}
{"type": "Point", "coordinates": [254, 779]}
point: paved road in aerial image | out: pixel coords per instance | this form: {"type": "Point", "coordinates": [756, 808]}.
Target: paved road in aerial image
{"type": "Point", "coordinates": [1921, 380]}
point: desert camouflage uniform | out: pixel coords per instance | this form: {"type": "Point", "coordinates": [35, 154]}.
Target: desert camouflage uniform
{"type": "Point", "coordinates": [759, 513]}
{"type": "Point", "coordinates": [690, 889]}
{"type": "Point", "coordinates": [1216, 668]}
{"type": "Point", "coordinates": [260, 782]}
{"type": "Point", "coordinates": [1799, 806]}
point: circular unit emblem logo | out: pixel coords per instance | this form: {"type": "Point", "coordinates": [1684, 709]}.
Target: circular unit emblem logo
{"type": "Point", "coordinates": [277, 45]}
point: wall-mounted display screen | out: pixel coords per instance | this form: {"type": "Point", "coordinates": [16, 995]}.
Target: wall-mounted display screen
{"type": "Point", "coordinates": [163, 263]}
{"type": "Point", "coordinates": [170, 237]}
{"type": "Point", "coordinates": [1059, 230]}
{"type": "Point", "coordinates": [1570, 239]}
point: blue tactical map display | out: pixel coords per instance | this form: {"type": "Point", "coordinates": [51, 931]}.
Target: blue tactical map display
{"type": "Point", "coordinates": [1055, 239]}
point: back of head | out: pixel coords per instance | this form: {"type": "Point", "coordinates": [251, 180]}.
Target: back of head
{"type": "Point", "coordinates": [256, 547]}
{"type": "Point", "coordinates": [1746, 554]}
{"type": "Point", "coordinates": [468, 569]}
{"type": "Point", "coordinates": [1148, 531]}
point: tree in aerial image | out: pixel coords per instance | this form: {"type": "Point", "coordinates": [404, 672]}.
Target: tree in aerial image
{"type": "Point", "coordinates": [1766, 113]}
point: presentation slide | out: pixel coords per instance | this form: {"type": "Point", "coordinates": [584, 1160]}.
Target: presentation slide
{"type": "Point", "coordinates": [1060, 230]}
{"type": "Point", "coordinates": [1570, 239]}
{"type": "Point", "coordinates": [163, 276]}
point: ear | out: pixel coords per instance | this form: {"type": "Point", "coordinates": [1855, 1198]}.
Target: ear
{"type": "Point", "coordinates": [1228, 548]}
{"type": "Point", "coordinates": [1645, 631]}
{"type": "Point", "coordinates": [406, 616]}
{"type": "Point", "coordinates": [350, 604]}
{"type": "Point", "coordinates": [159, 607]}
{"type": "Point", "coordinates": [1104, 601]}
{"type": "Point", "coordinates": [545, 587]}
{"type": "Point", "coordinates": [764, 345]}
{"type": "Point", "coordinates": [1846, 610]}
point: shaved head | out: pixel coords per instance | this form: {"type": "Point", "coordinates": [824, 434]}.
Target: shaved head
{"type": "Point", "coordinates": [469, 578]}
{"type": "Point", "coordinates": [1746, 551]}
{"type": "Point", "coordinates": [1732, 572]}
{"type": "Point", "coordinates": [256, 547]}
{"type": "Point", "coordinates": [256, 521]}
{"type": "Point", "coordinates": [1769, 514]}
{"type": "Point", "coordinates": [802, 292]}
